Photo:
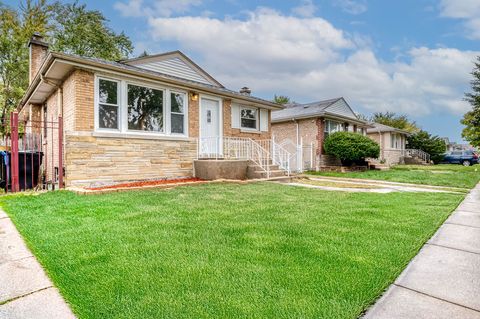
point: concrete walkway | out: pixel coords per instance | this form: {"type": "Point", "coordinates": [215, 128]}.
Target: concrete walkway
{"type": "Point", "coordinates": [25, 290]}
{"type": "Point", "coordinates": [443, 280]}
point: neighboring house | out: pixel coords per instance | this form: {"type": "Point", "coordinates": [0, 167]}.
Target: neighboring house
{"type": "Point", "coordinates": [392, 142]}
{"type": "Point", "coordinates": [454, 146]}
{"type": "Point", "coordinates": [136, 119]}
{"type": "Point", "coordinates": [307, 125]}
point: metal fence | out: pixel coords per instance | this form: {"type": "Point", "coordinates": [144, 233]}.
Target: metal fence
{"type": "Point", "coordinates": [31, 154]}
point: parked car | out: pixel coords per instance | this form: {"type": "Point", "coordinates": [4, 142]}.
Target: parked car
{"type": "Point", "coordinates": [466, 158]}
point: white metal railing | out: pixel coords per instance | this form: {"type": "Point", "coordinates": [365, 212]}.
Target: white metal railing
{"type": "Point", "coordinates": [235, 148]}
{"type": "Point", "coordinates": [424, 156]}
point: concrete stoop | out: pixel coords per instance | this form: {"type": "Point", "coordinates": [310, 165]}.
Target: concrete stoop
{"type": "Point", "coordinates": [256, 172]}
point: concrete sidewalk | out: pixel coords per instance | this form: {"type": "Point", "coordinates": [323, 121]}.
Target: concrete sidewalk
{"type": "Point", "coordinates": [25, 290]}
{"type": "Point", "coordinates": [443, 280]}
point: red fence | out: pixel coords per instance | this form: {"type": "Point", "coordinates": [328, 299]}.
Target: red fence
{"type": "Point", "coordinates": [31, 155]}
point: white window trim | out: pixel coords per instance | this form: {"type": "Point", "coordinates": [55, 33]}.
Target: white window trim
{"type": "Point", "coordinates": [257, 119]}
{"type": "Point", "coordinates": [97, 104]}
{"type": "Point", "coordinates": [122, 100]}
{"type": "Point", "coordinates": [185, 112]}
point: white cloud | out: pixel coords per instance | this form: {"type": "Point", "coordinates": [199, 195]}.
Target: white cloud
{"type": "Point", "coordinates": [163, 8]}
{"type": "Point", "coordinates": [352, 6]}
{"type": "Point", "coordinates": [132, 8]}
{"type": "Point", "coordinates": [306, 9]}
{"type": "Point", "coordinates": [466, 10]}
{"type": "Point", "coordinates": [309, 59]}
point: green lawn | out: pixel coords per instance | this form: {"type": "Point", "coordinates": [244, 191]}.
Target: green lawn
{"type": "Point", "coordinates": [226, 250]}
{"type": "Point", "coordinates": [439, 175]}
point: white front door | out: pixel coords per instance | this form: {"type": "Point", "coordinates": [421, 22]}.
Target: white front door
{"type": "Point", "coordinates": [210, 135]}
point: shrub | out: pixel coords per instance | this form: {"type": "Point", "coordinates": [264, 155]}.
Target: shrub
{"type": "Point", "coordinates": [351, 147]}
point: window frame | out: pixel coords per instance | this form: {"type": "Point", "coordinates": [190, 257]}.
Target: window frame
{"type": "Point", "coordinates": [153, 87]}
{"type": "Point", "coordinates": [185, 112]}
{"type": "Point", "coordinates": [257, 118]}
{"type": "Point", "coordinates": [97, 104]}
{"type": "Point", "coordinates": [396, 141]}
{"type": "Point", "coordinates": [122, 100]}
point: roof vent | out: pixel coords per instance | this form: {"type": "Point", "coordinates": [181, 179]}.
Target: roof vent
{"type": "Point", "coordinates": [245, 91]}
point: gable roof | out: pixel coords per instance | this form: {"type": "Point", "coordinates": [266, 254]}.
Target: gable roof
{"type": "Point", "coordinates": [174, 63]}
{"type": "Point", "coordinates": [57, 66]}
{"type": "Point", "coordinates": [337, 107]}
{"type": "Point", "coordinates": [377, 127]}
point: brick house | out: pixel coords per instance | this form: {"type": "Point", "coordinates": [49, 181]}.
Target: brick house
{"type": "Point", "coordinates": [307, 125]}
{"type": "Point", "coordinates": [392, 143]}
{"type": "Point", "coordinates": [138, 119]}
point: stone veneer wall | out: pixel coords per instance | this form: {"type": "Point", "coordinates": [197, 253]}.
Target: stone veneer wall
{"type": "Point", "coordinates": [95, 161]}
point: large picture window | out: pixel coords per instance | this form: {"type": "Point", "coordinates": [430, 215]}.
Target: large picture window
{"type": "Point", "coordinates": [145, 109]}
{"type": "Point", "coordinates": [108, 99]}
{"type": "Point", "coordinates": [131, 107]}
{"type": "Point", "coordinates": [249, 118]}
{"type": "Point", "coordinates": [331, 127]}
{"type": "Point", "coordinates": [177, 112]}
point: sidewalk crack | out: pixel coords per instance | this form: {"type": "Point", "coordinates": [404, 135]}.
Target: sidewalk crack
{"type": "Point", "coordinates": [24, 295]}
{"type": "Point", "coordinates": [438, 298]}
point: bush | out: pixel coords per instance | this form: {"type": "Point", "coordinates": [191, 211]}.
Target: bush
{"type": "Point", "coordinates": [351, 147]}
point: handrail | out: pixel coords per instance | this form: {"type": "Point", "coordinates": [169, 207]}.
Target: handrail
{"type": "Point", "coordinates": [424, 156]}
{"type": "Point", "coordinates": [281, 157]}
{"type": "Point", "coordinates": [235, 148]}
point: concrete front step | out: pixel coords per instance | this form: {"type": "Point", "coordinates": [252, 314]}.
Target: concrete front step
{"type": "Point", "coordinates": [254, 168]}
{"type": "Point", "coordinates": [263, 174]}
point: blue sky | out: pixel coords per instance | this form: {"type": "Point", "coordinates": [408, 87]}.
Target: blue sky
{"type": "Point", "coordinates": [410, 56]}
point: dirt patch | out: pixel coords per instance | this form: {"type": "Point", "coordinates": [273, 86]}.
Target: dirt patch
{"type": "Point", "coordinates": [147, 183]}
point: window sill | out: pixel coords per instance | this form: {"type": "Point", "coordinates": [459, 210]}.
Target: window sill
{"type": "Point", "coordinates": [141, 136]}
{"type": "Point", "coordinates": [243, 130]}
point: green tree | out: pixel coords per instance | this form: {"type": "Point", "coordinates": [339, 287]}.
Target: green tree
{"type": "Point", "coordinates": [394, 120]}
{"type": "Point", "coordinates": [281, 99]}
{"type": "Point", "coordinates": [351, 147]}
{"type": "Point", "coordinates": [69, 27]}
{"type": "Point", "coordinates": [471, 119]}
{"type": "Point", "coordinates": [85, 32]}
{"type": "Point", "coordinates": [433, 145]}
{"type": "Point", "coordinates": [16, 27]}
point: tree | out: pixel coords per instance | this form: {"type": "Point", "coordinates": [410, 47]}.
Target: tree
{"type": "Point", "coordinates": [85, 32]}
{"type": "Point", "coordinates": [16, 27]}
{"type": "Point", "coordinates": [69, 27]}
{"type": "Point", "coordinates": [281, 99]}
{"type": "Point", "coordinates": [398, 121]}
{"type": "Point", "coordinates": [471, 119]}
{"type": "Point", "coordinates": [351, 147]}
{"type": "Point", "coordinates": [433, 145]}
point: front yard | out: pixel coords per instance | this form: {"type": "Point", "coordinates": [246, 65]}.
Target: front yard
{"type": "Point", "coordinates": [226, 250]}
{"type": "Point", "coordinates": [439, 175]}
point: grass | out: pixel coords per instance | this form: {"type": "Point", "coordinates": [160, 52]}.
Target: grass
{"type": "Point", "coordinates": [438, 175]}
{"type": "Point", "coordinates": [226, 250]}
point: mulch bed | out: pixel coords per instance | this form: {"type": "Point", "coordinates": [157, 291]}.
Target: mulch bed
{"type": "Point", "coordinates": [147, 183]}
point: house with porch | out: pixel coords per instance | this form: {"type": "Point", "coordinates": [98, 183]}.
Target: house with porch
{"type": "Point", "coordinates": [141, 119]}
{"type": "Point", "coordinates": [302, 128]}
{"type": "Point", "coordinates": [392, 141]}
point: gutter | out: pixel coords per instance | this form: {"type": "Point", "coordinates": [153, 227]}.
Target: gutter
{"type": "Point", "coordinates": [330, 115]}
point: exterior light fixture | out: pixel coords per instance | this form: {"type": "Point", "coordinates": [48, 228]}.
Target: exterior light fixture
{"type": "Point", "coordinates": [194, 96]}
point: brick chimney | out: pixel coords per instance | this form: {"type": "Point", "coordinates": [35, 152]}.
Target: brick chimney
{"type": "Point", "coordinates": [38, 53]}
